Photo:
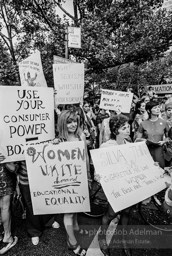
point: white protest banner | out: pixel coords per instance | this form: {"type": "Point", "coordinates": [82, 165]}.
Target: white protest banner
{"type": "Point", "coordinates": [26, 115]}
{"type": "Point", "coordinates": [31, 72]}
{"type": "Point", "coordinates": [74, 37]}
{"type": "Point", "coordinates": [162, 88]}
{"type": "Point", "coordinates": [116, 100]}
{"type": "Point", "coordinates": [58, 177]}
{"type": "Point", "coordinates": [69, 83]}
{"type": "Point", "coordinates": [128, 174]}
{"type": "Point", "coordinates": [57, 60]}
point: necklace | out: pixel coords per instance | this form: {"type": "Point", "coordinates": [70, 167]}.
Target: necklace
{"type": "Point", "coordinates": [154, 120]}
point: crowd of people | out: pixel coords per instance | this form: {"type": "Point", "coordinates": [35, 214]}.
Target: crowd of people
{"type": "Point", "coordinates": [149, 120]}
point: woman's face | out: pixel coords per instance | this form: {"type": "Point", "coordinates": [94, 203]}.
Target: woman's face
{"type": "Point", "coordinates": [142, 106]}
{"type": "Point", "coordinates": [86, 108]}
{"type": "Point", "coordinates": [169, 112]}
{"type": "Point", "coordinates": [72, 125]}
{"type": "Point", "coordinates": [124, 130]}
{"type": "Point", "coordinates": [146, 100]}
{"type": "Point", "coordinates": [155, 110]}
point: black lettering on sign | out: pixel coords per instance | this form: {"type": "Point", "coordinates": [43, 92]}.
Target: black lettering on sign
{"type": "Point", "coordinates": [30, 104]}
{"type": "Point", "coordinates": [23, 130]}
{"type": "Point", "coordinates": [14, 150]}
{"type": "Point", "coordinates": [28, 94]}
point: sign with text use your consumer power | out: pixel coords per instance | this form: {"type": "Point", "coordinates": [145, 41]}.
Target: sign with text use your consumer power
{"type": "Point", "coordinates": [26, 116]}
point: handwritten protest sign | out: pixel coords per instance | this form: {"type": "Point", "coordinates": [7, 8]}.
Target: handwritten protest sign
{"type": "Point", "coordinates": [116, 100]}
{"type": "Point", "coordinates": [31, 72]}
{"type": "Point", "coordinates": [74, 37]}
{"type": "Point", "coordinates": [128, 174]}
{"type": "Point", "coordinates": [69, 83]}
{"type": "Point", "coordinates": [26, 115]}
{"type": "Point", "coordinates": [58, 177]}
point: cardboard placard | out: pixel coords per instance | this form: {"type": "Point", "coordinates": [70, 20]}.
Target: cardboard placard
{"type": "Point", "coordinates": [74, 37]}
{"type": "Point", "coordinates": [116, 100]}
{"type": "Point", "coordinates": [58, 177]}
{"type": "Point", "coordinates": [128, 174]}
{"type": "Point", "coordinates": [26, 115]}
{"type": "Point", "coordinates": [162, 88]}
{"type": "Point", "coordinates": [31, 72]}
{"type": "Point", "coordinates": [69, 83]}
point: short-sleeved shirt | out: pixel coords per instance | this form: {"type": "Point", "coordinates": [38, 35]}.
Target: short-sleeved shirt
{"type": "Point", "coordinates": [154, 130]}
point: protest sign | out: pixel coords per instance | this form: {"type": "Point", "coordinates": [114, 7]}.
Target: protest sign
{"type": "Point", "coordinates": [68, 83]}
{"type": "Point", "coordinates": [57, 60]}
{"type": "Point", "coordinates": [74, 37]}
{"type": "Point", "coordinates": [31, 72]}
{"type": "Point", "coordinates": [128, 174]}
{"type": "Point", "coordinates": [116, 100]}
{"type": "Point", "coordinates": [162, 88]}
{"type": "Point", "coordinates": [26, 115]}
{"type": "Point", "coordinates": [58, 177]}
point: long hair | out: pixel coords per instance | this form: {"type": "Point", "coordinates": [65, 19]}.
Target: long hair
{"type": "Point", "coordinates": [115, 123]}
{"type": "Point", "coordinates": [62, 124]}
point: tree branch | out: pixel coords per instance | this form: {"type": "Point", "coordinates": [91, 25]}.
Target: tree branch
{"type": "Point", "coordinates": [45, 18]}
{"type": "Point", "coordinates": [63, 10]}
{"type": "Point", "coordinates": [5, 39]}
{"type": "Point", "coordinates": [75, 11]}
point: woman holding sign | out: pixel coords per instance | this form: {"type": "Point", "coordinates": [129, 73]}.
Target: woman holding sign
{"type": "Point", "coordinates": [69, 130]}
{"type": "Point", "coordinates": [119, 134]}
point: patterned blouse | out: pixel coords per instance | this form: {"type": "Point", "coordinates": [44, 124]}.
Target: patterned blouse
{"type": "Point", "coordinates": [7, 181]}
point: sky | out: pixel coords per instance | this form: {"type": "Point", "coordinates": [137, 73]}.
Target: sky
{"type": "Point", "coordinates": [68, 6]}
{"type": "Point", "coordinates": [167, 4]}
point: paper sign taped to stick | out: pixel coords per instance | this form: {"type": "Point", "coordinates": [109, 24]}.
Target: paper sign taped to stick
{"type": "Point", "coordinates": [69, 83]}
{"type": "Point", "coordinates": [31, 72]}
{"type": "Point", "coordinates": [128, 174]}
{"type": "Point", "coordinates": [116, 100]}
{"type": "Point", "coordinates": [58, 177]}
{"type": "Point", "coordinates": [74, 37]}
{"type": "Point", "coordinates": [26, 115]}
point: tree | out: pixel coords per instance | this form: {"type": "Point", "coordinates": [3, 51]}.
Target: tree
{"type": "Point", "coordinates": [29, 25]}
{"type": "Point", "coordinates": [124, 32]}
{"type": "Point", "coordinates": [114, 33]}
{"type": "Point", "coordinates": [6, 75]}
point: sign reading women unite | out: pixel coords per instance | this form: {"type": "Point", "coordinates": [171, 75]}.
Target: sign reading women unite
{"type": "Point", "coordinates": [116, 100]}
{"type": "Point", "coordinates": [26, 115]}
{"type": "Point", "coordinates": [128, 174]}
{"type": "Point", "coordinates": [58, 177]}
{"type": "Point", "coordinates": [69, 83]}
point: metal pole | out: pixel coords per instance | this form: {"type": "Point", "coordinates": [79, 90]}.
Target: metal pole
{"type": "Point", "coordinates": [66, 43]}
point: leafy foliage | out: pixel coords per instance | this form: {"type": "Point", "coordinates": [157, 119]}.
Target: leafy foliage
{"type": "Point", "coordinates": [119, 37]}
